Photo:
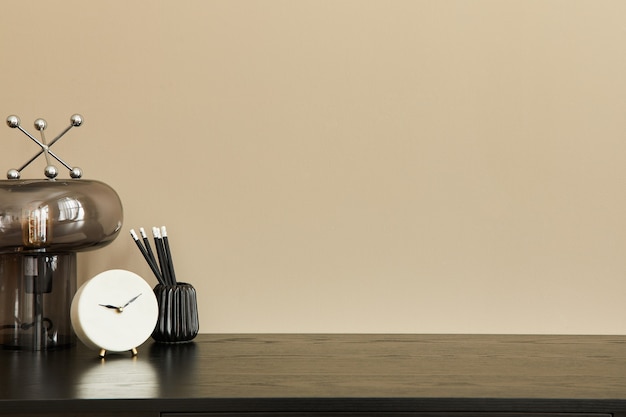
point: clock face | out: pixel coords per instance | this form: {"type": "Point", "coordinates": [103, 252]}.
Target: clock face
{"type": "Point", "coordinates": [116, 310]}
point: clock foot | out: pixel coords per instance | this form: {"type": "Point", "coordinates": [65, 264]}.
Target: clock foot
{"type": "Point", "coordinates": [133, 351]}
{"type": "Point", "coordinates": [102, 353]}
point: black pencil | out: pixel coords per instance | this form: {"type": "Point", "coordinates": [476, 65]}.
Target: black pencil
{"type": "Point", "coordinates": [158, 243]}
{"type": "Point", "coordinates": [146, 243]}
{"type": "Point", "coordinates": [168, 254]}
{"type": "Point", "coordinates": [143, 251]}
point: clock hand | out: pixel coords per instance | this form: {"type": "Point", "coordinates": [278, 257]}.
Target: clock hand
{"type": "Point", "coordinates": [118, 308]}
{"type": "Point", "coordinates": [130, 301]}
{"type": "Point", "coordinates": [109, 306]}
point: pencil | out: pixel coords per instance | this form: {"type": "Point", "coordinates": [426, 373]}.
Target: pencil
{"type": "Point", "coordinates": [143, 251]}
{"type": "Point", "coordinates": [168, 254]}
{"type": "Point", "coordinates": [146, 242]}
{"type": "Point", "coordinates": [158, 242]}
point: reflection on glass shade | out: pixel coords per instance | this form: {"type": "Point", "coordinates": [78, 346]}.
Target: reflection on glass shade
{"type": "Point", "coordinates": [54, 216]}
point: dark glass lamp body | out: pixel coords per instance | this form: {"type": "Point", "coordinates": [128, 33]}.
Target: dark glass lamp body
{"type": "Point", "coordinates": [43, 223]}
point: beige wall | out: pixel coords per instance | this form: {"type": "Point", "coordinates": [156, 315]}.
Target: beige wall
{"type": "Point", "coordinates": [347, 166]}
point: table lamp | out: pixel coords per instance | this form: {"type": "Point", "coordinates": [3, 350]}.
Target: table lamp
{"type": "Point", "coordinates": [43, 224]}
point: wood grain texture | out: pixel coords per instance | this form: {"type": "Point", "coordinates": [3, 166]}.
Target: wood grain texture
{"type": "Point", "coordinates": [338, 373]}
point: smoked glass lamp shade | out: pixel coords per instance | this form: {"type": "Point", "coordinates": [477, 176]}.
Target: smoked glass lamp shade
{"type": "Point", "coordinates": [43, 223]}
{"type": "Point", "coordinates": [57, 216]}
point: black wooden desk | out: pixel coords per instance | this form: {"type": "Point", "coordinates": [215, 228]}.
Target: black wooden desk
{"type": "Point", "coordinates": [333, 375]}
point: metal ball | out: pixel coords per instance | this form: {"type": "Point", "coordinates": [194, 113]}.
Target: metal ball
{"type": "Point", "coordinates": [76, 120]}
{"type": "Point", "coordinates": [76, 172]}
{"type": "Point", "coordinates": [51, 171]}
{"type": "Point", "coordinates": [13, 174]}
{"type": "Point", "coordinates": [13, 121]}
{"type": "Point", "coordinates": [40, 124]}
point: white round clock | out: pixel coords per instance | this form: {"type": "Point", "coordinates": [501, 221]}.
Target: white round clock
{"type": "Point", "coordinates": [114, 311]}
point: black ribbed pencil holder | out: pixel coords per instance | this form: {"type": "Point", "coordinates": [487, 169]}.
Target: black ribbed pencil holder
{"type": "Point", "coordinates": [178, 313]}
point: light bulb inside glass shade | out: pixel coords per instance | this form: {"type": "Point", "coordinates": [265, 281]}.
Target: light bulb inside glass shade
{"type": "Point", "coordinates": [53, 216]}
{"type": "Point", "coordinates": [36, 226]}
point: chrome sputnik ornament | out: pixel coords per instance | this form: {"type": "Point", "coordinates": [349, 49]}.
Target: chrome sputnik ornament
{"type": "Point", "coordinates": [51, 171]}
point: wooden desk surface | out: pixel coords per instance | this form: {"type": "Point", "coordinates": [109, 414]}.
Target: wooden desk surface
{"type": "Point", "coordinates": [338, 373]}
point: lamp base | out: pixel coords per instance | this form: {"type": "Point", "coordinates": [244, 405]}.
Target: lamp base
{"type": "Point", "coordinates": [36, 291]}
